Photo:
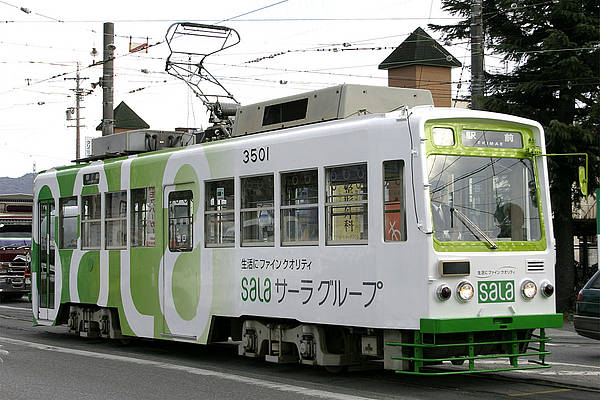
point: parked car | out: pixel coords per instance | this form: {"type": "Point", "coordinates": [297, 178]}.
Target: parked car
{"type": "Point", "coordinates": [587, 312]}
{"type": "Point", "coordinates": [15, 273]}
{"type": "Point", "coordinates": [15, 245]}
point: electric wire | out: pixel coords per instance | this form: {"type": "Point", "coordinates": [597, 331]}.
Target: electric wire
{"type": "Point", "coordinates": [253, 11]}
{"type": "Point", "coordinates": [215, 21]}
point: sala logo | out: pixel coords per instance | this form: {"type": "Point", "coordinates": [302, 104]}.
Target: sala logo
{"type": "Point", "coordinates": [253, 289]}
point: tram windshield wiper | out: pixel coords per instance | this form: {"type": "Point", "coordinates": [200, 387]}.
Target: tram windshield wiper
{"type": "Point", "coordinates": [465, 220]}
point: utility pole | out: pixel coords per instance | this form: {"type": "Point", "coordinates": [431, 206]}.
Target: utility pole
{"type": "Point", "coordinates": [78, 97]}
{"type": "Point", "coordinates": [477, 80]}
{"type": "Point", "coordinates": [108, 120]}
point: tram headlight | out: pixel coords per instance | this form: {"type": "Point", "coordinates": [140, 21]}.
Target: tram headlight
{"type": "Point", "coordinates": [443, 292]}
{"type": "Point", "coordinates": [465, 291]}
{"type": "Point", "coordinates": [547, 288]}
{"type": "Point", "coordinates": [528, 289]}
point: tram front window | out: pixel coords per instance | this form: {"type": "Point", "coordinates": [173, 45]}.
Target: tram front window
{"type": "Point", "coordinates": [474, 197]}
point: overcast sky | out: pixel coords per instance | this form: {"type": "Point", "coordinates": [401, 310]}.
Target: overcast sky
{"type": "Point", "coordinates": [41, 46]}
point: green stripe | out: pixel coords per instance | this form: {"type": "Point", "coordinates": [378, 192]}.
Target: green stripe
{"type": "Point", "coordinates": [454, 325]}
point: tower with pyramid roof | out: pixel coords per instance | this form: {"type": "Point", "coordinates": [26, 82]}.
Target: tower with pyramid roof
{"type": "Point", "coordinates": [126, 119]}
{"type": "Point", "coordinates": [420, 62]}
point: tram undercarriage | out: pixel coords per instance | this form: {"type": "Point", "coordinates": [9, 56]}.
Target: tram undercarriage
{"type": "Point", "coordinates": [339, 347]}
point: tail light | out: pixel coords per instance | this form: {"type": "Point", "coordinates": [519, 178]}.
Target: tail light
{"type": "Point", "coordinates": [443, 292]}
{"type": "Point", "coordinates": [580, 296]}
{"type": "Point", "coordinates": [547, 289]}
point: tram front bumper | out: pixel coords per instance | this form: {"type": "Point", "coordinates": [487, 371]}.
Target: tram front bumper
{"type": "Point", "coordinates": [460, 340]}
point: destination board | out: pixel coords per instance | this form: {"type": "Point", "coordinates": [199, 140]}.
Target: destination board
{"type": "Point", "coordinates": [495, 139]}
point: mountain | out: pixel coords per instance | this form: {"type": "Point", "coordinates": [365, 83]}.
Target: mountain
{"type": "Point", "coordinates": [23, 184]}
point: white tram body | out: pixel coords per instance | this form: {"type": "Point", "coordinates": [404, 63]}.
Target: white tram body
{"type": "Point", "coordinates": [334, 228]}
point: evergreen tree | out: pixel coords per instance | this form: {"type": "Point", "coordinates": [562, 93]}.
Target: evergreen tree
{"type": "Point", "coordinates": [554, 50]}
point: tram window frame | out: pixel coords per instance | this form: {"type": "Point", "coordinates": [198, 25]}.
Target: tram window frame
{"type": "Point", "coordinates": [91, 216]}
{"type": "Point", "coordinates": [189, 239]}
{"type": "Point", "coordinates": [143, 217]}
{"type": "Point", "coordinates": [362, 202]}
{"type": "Point", "coordinates": [68, 241]}
{"type": "Point", "coordinates": [389, 236]}
{"type": "Point", "coordinates": [306, 202]}
{"type": "Point", "coordinates": [219, 213]}
{"type": "Point", "coordinates": [263, 208]}
{"type": "Point", "coordinates": [115, 220]}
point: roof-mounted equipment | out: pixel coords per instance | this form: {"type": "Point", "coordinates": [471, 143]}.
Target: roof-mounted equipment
{"type": "Point", "coordinates": [188, 65]}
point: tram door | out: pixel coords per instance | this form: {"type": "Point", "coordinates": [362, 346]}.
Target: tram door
{"type": "Point", "coordinates": [46, 274]}
{"type": "Point", "coordinates": [181, 268]}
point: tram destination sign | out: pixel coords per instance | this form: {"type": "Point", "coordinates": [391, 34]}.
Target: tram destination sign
{"type": "Point", "coordinates": [91, 179]}
{"type": "Point", "coordinates": [495, 139]}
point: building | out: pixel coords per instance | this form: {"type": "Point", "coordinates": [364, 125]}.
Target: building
{"type": "Point", "coordinates": [420, 62]}
{"type": "Point", "coordinates": [126, 119]}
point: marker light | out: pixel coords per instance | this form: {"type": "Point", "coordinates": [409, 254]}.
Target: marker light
{"type": "Point", "coordinates": [465, 291]}
{"type": "Point", "coordinates": [528, 289]}
{"type": "Point", "coordinates": [443, 292]}
{"type": "Point", "coordinates": [547, 289]}
{"type": "Point", "coordinates": [443, 136]}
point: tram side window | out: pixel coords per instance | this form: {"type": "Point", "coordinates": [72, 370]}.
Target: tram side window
{"type": "Point", "coordinates": [219, 215]}
{"type": "Point", "coordinates": [181, 219]}
{"type": "Point", "coordinates": [299, 208]}
{"type": "Point", "coordinates": [116, 220]}
{"type": "Point", "coordinates": [68, 214]}
{"type": "Point", "coordinates": [257, 211]}
{"type": "Point", "coordinates": [142, 217]}
{"type": "Point", "coordinates": [90, 221]}
{"type": "Point", "coordinates": [394, 206]}
{"type": "Point", "coordinates": [346, 204]}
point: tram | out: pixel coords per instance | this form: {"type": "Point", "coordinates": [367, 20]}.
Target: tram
{"type": "Point", "coordinates": [339, 227]}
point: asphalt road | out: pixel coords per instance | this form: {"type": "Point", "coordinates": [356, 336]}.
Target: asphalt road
{"type": "Point", "coordinates": [49, 363]}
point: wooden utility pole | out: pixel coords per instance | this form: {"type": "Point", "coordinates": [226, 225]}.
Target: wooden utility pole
{"type": "Point", "coordinates": [477, 79]}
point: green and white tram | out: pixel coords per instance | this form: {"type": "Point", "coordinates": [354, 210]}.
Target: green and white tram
{"type": "Point", "coordinates": [338, 227]}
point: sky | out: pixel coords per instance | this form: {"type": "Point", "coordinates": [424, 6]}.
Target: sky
{"type": "Point", "coordinates": [42, 42]}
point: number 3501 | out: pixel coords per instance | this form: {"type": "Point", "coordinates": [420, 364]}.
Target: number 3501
{"type": "Point", "coordinates": [255, 155]}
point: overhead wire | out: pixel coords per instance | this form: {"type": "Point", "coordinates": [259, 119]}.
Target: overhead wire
{"type": "Point", "coordinates": [253, 11]}
{"type": "Point", "coordinates": [283, 70]}
{"type": "Point", "coordinates": [28, 11]}
{"type": "Point", "coordinates": [53, 19]}
{"type": "Point", "coordinates": [127, 54]}
{"type": "Point", "coordinates": [215, 21]}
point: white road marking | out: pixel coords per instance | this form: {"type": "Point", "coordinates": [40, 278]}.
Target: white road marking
{"type": "Point", "coordinates": [196, 371]}
{"type": "Point", "coordinates": [574, 365]}
{"type": "Point", "coordinates": [559, 373]}
{"type": "Point", "coordinates": [16, 308]}
{"type": "Point", "coordinates": [583, 371]}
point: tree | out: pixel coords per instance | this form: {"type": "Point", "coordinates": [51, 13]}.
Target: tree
{"type": "Point", "coordinates": [554, 50]}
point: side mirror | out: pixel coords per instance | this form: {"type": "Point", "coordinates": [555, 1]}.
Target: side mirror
{"type": "Point", "coordinates": [583, 171]}
{"type": "Point", "coordinates": [583, 180]}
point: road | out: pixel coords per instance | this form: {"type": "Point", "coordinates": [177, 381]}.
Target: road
{"type": "Point", "coordinates": [49, 363]}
